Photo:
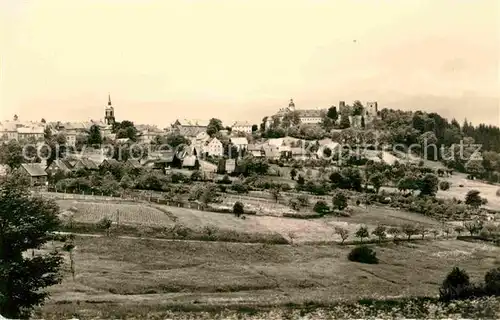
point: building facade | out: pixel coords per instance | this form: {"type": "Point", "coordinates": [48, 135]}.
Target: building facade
{"type": "Point", "coordinates": [214, 147]}
{"type": "Point", "coordinates": [242, 126]}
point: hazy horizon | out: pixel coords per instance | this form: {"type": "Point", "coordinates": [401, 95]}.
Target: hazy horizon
{"type": "Point", "coordinates": [242, 60]}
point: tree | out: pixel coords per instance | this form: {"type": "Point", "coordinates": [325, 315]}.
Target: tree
{"type": "Point", "coordinates": [301, 180]}
{"type": "Point", "coordinates": [275, 193]}
{"type": "Point", "coordinates": [294, 204]}
{"type": "Point", "coordinates": [357, 108]}
{"type": "Point", "coordinates": [344, 121]}
{"type": "Point", "coordinates": [321, 207]}
{"type": "Point", "coordinates": [68, 247]}
{"type": "Point", "coordinates": [408, 183]}
{"type": "Point", "coordinates": [332, 113]}
{"type": "Point", "coordinates": [208, 194]}
{"type": "Point", "coordinates": [362, 233]}
{"type": "Point", "coordinates": [394, 231]}
{"type": "Point", "coordinates": [196, 175]}
{"type": "Point", "coordinates": [454, 284]}
{"type": "Point", "coordinates": [94, 137]}
{"type": "Point", "coordinates": [26, 223]}
{"type": "Point", "coordinates": [47, 133]}
{"type": "Point", "coordinates": [214, 126]}
{"type": "Point", "coordinates": [377, 179]}
{"type": "Point", "coordinates": [435, 233]}
{"type": "Point", "coordinates": [492, 282]}
{"type": "Point", "coordinates": [422, 231]}
{"type": "Point", "coordinates": [428, 185]}
{"type": "Point", "coordinates": [105, 224]}
{"type": "Point", "coordinates": [409, 230]}
{"type": "Point", "coordinates": [126, 130]}
{"type": "Point", "coordinates": [447, 231]}
{"type": "Point", "coordinates": [292, 236]}
{"type": "Point", "coordinates": [473, 227]}
{"type": "Point", "coordinates": [293, 173]}
{"type": "Point", "coordinates": [238, 209]}
{"type": "Point", "coordinates": [380, 232]}
{"type": "Point", "coordinates": [459, 230]}
{"type": "Point", "coordinates": [363, 254]}
{"type": "Point", "coordinates": [11, 154]}
{"type": "Point", "coordinates": [343, 233]}
{"type": "Point", "coordinates": [444, 185]}
{"type": "Point", "coordinates": [255, 128]}
{"type": "Point", "coordinates": [473, 199]}
{"type": "Point", "coordinates": [339, 200]}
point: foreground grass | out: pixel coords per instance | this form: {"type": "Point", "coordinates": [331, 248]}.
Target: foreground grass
{"type": "Point", "coordinates": [420, 308]}
{"type": "Point", "coordinates": [118, 274]}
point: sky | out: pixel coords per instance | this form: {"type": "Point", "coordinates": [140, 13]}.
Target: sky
{"type": "Point", "coordinates": [243, 60]}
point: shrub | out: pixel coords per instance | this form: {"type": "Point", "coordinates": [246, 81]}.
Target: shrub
{"type": "Point", "coordinates": [473, 199]}
{"type": "Point", "coordinates": [492, 282]}
{"type": "Point", "coordinates": [454, 285]}
{"type": "Point", "coordinates": [444, 185]}
{"type": "Point", "coordinates": [239, 187]}
{"type": "Point", "coordinates": [321, 207]}
{"type": "Point", "coordinates": [303, 200]}
{"type": "Point", "coordinates": [105, 224]}
{"type": "Point", "coordinates": [340, 200]}
{"type": "Point", "coordinates": [363, 254]}
{"type": "Point", "coordinates": [294, 204]}
{"type": "Point", "coordinates": [238, 208]}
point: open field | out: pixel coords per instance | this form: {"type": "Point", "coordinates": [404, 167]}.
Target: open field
{"type": "Point", "coordinates": [115, 273]}
{"type": "Point", "coordinates": [312, 230]}
{"type": "Point", "coordinates": [488, 191]}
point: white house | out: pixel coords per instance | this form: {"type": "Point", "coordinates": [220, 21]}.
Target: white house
{"type": "Point", "coordinates": [214, 147]}
{"type": "Point", "coordinates": [241, 143]}
{"type": "Point", "coordinates": [8, 131]}
{"type": "Point", "coordinates": [30, 132]}
{"type": "Point", "coordinates": [242, 126]}
{"type": "Point", "coordinates": [148, 136]}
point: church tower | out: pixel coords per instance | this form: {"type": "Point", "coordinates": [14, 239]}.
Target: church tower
{"type": "Point", "coordinates": [291, 105]}
{"type": "Point", "coordinates": [110, 113]}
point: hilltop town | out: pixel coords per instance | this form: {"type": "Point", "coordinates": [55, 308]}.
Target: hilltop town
{"type": "Point", "coordinates": [309, 207]}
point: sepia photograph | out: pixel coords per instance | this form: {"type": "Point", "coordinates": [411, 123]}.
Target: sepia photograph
{"type": "Point", "coordinates": [249, 159]}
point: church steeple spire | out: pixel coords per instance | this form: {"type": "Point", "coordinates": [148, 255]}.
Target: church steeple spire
{"type": "Point", "coordinates": [109, 114]}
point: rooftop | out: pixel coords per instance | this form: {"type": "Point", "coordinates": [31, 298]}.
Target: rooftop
{"type": "Point", "coordinates": [34, 169]}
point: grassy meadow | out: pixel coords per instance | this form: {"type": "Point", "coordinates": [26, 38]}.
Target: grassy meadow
{"type": "Point", "coordinates": [116, 275]}
{"type": "Point", "coordinates": [303, 230]}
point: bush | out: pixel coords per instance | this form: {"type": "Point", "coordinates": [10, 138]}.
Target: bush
{"type": "Point", "coordinates": [492, 282]}
{"type": "Point", "coordinates": [321, 207]}
{"type": "Point", "coordinates": [444, 185]}
{"type": "Point", "coordinates": [363, 254]}
{"type": "Point", "coordinates": [340, 200]}
{"type": "Point", "coordinates": [239, 187]}
{"type": "Point", "coordinates": [238, 208]}
{"type": "Point", "coordinates": [455, 285]}
{"type": "Point", "coordinates": [294, 204]}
